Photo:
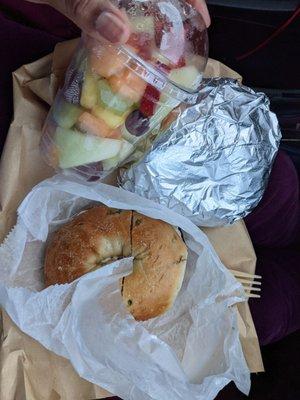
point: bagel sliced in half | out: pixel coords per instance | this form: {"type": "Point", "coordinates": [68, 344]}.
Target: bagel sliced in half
{"type": "Point", "coordinates": [90, 240]}
{"type": "Point", "coordinates": [101, 235]}
{"type": "Point", "coordinates": [158, 268]}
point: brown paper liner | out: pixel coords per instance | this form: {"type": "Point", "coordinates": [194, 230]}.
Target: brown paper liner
{"type": "Point", "coordinates": [28, 370]}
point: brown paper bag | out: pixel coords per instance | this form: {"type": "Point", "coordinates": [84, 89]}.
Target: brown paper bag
{"type": "Point", "coordinates": [28, 370]}
{"type": "Point", "coordinates": [234, 247]}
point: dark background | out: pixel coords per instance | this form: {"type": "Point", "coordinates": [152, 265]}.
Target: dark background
{"type": "Point", "coordinates": [274, 69]}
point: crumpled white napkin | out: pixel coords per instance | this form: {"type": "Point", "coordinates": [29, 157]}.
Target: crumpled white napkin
{"type": "Point", "coordinates": [191, 352]}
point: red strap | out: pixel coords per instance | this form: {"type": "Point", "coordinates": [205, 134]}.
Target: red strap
{"type": "Point", "coordinates": [277, 32]}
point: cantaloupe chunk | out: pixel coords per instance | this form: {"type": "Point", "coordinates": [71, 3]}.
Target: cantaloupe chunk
{"type": "Point", "coordinates": [111, 119]}
{"type": "Point", "coordinates": [76, 148]}
{"type": "Point", "coordinates": [108, 62]}
{"type": "Point", "coordinates": [89, 124]}
{"type": "Point", "coordinates": [116, 134]}
{"type": "Point", "coordinates": [128, 85]}
{"type": "Point", "coordinates": [89, 93]}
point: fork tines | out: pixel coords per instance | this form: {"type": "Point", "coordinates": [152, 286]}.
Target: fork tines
{"type": "Point", "coordinates": [250, 282]}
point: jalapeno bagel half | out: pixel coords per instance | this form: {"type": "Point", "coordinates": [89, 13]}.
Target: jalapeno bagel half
{"type": "Point", "coordinates": [101, 235]}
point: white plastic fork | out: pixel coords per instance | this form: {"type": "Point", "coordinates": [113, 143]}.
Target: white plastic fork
{"type": "Point", "coordinates": [251, 283]}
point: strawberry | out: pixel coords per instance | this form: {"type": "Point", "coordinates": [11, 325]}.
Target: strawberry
{"type": "Point", "coordinates": [159, 26]}
{"type": "Point", "coordinates": [181, 62]}
{"type": "Point", "coordinates": [166, 69]}
{"type": "Point", "coordinates": [149, 101]}
{"type": "Point", "coordinates": [163, 67]}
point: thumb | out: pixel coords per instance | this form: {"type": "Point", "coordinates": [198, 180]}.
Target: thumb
{"type": "Point", "coordinates": [97, 18]}
{"type": "Point", "coordinates": [201, 6]}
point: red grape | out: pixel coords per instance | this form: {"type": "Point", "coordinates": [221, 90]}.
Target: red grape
{"type": "Point", "coordinates": [136, 123]}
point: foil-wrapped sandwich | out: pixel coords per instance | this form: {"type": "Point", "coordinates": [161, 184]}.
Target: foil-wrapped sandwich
{"type": "Point", "coordinates": [212, 164]}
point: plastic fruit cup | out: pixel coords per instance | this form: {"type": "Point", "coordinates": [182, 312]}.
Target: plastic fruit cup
{"type": "Point", "coordinates": [114, 96]}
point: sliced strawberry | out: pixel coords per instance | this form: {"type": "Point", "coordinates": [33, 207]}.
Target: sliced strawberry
{"type": "Point", "coordinates": [163, 67]}
{"type": "Point", "coordinates": [149, 101]}
{"type": "Point", "coordinates": [181, 63]}
{"type": "Point", "coordinates": [168, 68]}
{"type": "Point", "coordinates": [139, 39]}
{"type": "Point", "coordinates": [159, 26]}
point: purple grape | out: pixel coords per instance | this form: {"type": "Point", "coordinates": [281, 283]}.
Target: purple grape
{"type": "Point", "coordinates": [137, 124]}
{"type": "Point", "coordinates": [93, 179]}
{"type": "Point", "coordinates": [92, 171]}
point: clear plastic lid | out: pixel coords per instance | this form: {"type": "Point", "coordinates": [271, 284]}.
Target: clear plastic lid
{"type": "Point", "coordinates": [169, 39]}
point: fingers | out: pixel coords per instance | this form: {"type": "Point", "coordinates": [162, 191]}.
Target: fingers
{"type": "Point", "coordinates": [201, 6]}
{"type": "Point", "coordinates": [97, 18]}
{"type": "Point", "coordinates": [104, 22]}
{"type": "Point", "coordinates": [111, 27]}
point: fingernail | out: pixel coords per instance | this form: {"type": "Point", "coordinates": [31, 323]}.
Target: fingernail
{"type": "Point", "coordinates": [110, 27]}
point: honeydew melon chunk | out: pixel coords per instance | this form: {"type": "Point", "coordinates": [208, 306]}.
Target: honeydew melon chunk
{"type": "Point", "coordinates": [66, 114]}
{"type": "Point", "coordinates": [128, 136]}
{"type": "Point", "coordinates": [188, 77]}
{"type": "Point", "coordinates": [111, 119]}
{"type": "Point", "coordinates": [141, 24]}
{"type": "Point", "coordinates": [76, 148]}
{"type": "Point", "coordinates": [112, 101]}
{"type": "Point", "coordinates": [89, 93]}
{"type": "Point", "coordinates": [126, 149]}
{"type": "Point", "coordinates": [110, 163]}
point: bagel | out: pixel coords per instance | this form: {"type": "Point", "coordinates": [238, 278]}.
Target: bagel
{"type": "Point", "coordinates": [101, 235]}
{"type": "Point", "coordinates": [91, 239]}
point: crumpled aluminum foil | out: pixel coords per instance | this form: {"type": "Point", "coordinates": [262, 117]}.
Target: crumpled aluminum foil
{"type": "Point", "coordinates": [212, 165]}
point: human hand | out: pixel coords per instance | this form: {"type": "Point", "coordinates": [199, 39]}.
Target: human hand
{"type": "Point", "coordinates": [103, 21]}
{"type": "Point", "coordinates": [201, 6]}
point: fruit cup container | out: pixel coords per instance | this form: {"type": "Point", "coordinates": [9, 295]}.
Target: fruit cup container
{"type": "Point", "coordinates": [114, 96]}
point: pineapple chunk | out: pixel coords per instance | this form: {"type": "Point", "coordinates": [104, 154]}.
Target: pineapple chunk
{"type": "Point", "coordinates": [188, 77]}
{"type": "Point", "coordinates": [89, 94]}
{"type": "Point", "coordinates": [111, 119]}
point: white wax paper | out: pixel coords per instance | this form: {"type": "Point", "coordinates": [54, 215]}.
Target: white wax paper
{"type": "Point", "coordinates": [191, 352]}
